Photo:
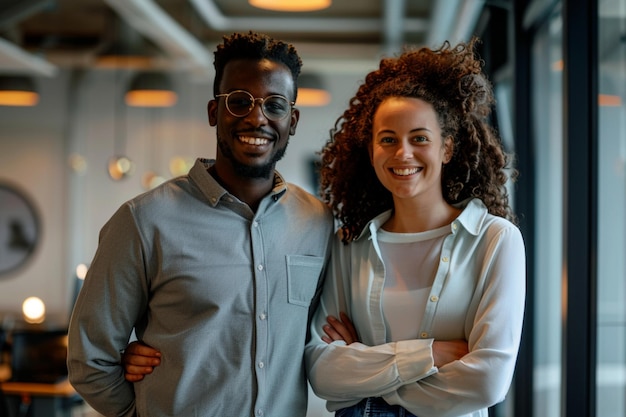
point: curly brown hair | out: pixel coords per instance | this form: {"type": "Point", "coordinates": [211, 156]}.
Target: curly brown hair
{"type": "Point", "coordinates": [451, 80]}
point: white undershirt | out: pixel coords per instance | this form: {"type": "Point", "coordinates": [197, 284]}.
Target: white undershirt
{"type": "Point", "coordinates": [411, 261]}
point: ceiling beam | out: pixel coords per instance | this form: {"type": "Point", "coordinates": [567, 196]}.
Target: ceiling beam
{"type": "Point", "coordinates": [147, 18]}
{"type": "Point", "coordinates": [15, 60]}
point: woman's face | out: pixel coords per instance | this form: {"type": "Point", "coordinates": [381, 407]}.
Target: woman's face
{"type": "Point", "coordinates": [408, 151]}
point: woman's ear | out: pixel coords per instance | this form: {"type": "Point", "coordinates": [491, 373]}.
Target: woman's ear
{"type": "Point", "coordinates": [448, 149]}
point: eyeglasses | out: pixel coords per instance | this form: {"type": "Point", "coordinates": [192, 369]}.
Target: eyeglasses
{"type": "Point", "coordinates": [240, 103]}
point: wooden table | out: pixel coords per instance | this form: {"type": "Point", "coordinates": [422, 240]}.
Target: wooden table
{"type": "Point", "coordinates": [40, 400]}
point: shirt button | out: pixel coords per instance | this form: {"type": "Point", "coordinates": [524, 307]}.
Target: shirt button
{"type": "Point", "coordinates": [255, 224]}
{"type": "Point", "coordinates": [434, 298]}
{"type": "Point", "coordinates": [454, 226]}
{"type": "Point", "coordinates": [262, 316]}
{"type": "Point", "coordinates": [261, 365]}
{"type": "Point", "coordinates": [445, 259]}
{"type": "Point", "coordinates": [424, 335]}
{"type": "Point", "coordinates": [213, 199]}
{"type": "Point", "coordinates": [259, 412]}
{"type": "Point", "coordinates": [260, 267]}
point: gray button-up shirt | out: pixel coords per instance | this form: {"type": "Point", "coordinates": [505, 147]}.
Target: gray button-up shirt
{"type": "Point", "coordinates": [224, 293]}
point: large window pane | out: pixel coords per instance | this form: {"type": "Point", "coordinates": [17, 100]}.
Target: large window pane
{"type": "Point", "coordinates": [611, 346]}
{"type": "Point", "coordinates": [548, 134]}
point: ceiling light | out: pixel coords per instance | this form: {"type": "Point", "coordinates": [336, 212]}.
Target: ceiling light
{"type": "Point", "coordinates": [17, 90]}
{"type": "Point", "coordinates": [120, 55]}
{"type": "Point", "coordinates": [291, 5]}
{"type": "Point", "coordinates": [120, 167]}
{"type": "Point", "coordinates": [151, 89]}
{"type": "Point", "coordinates": [311, 91]}
{"type": "Point", "coordinates": [127, 49]}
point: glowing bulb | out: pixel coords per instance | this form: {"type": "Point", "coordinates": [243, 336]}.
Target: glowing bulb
{"type": "Point", "coordinates": [81, 271]}
{"type": "Point", "coordinates": [34, 310]}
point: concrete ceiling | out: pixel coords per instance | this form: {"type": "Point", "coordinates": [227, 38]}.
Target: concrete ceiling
{"type": "Point", "coordinates": [41, 36]}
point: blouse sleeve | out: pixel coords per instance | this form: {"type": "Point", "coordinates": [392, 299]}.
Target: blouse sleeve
{"type": "Point", "coordinates": [482, 377]}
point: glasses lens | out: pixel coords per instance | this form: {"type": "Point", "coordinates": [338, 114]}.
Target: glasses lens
{"type": "Point", "coordinates": [239, 103]}
{"type": "Point", "coordinates": [275, 107]}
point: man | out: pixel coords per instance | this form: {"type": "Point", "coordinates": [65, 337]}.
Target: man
{"type": "Point", "coordinates": [218, 270]}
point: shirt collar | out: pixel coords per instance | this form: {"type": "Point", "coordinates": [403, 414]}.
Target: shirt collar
{"type": "Point", "coordinates": [214, 192]}
{"type": "Point", "coordinates": [471, 218]}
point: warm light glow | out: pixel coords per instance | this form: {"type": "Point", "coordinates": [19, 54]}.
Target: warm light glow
{"type": "Point", "coordinates": [81, 271]}
{"type": "Point", "coordinates": [124, 61]}
{"type": "Point", "coordinates": [151, 98]}
{"type": "Point", "coordinates": [607, 100]}
{"type": "Point", "coordinates": [291, 5]}
{"type": "Point", "coordinates": [34, 310]}
{"type": "Point", "coordinates": [120, 167]}
{"type": "Point", "coordinates": [77, 163]}
{"type": "Point", "coordinates": [558, 65]}
{"type": "Point", "coordinates": [180, 166]}
{"type": "Point", "coordinates": [151, 179]}
{"type": "Point", "coordinates": [18, 98]}
{"type": "Point", "coordinates": [312, 97]}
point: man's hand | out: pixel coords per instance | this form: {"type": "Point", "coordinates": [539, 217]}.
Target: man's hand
{"type": "Point", "coordinates": [448, 351]}
{"type": "Point", "coordinates": [139, 360]}
{"type": "Point", "coordinates": [340, 329]}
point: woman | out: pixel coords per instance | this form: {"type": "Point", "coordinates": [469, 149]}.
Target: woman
{"type": "Point", "coordinates": [428, 263]}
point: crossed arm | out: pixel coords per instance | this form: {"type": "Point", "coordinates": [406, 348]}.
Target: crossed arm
{"type": "Point", "coordinates": [140, 359]}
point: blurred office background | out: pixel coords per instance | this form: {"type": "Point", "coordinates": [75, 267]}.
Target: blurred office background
{"type": "Point", "coordinates": [70, 157]}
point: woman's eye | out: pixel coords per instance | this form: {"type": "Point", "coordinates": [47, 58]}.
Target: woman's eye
{"type": "Point", "coordinates": [387, 139]}
{"type": "Point", "coordinates": [420, 139]}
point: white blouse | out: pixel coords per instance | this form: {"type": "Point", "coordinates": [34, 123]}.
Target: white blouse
{"type": "Point", "coordinates": [477, 295]}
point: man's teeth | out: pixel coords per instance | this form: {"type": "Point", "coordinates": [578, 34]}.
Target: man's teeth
{"type": "Point", "coordinates": [253, 141]}
{"type": "Point", "coordinates": [405, 171]}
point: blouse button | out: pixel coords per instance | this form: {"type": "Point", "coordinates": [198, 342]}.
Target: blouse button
{"type": "Point", "coordinates": [259, 267]}
{"type": "Point", "coordinates": [424, 335]}
{"type": "Point", "coordinates": [434, 298]}
{"type": "Point", "coordinates": [445, 259]}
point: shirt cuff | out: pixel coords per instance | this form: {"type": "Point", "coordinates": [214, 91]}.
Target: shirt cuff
{"type": "Point", "coordinates": [414, 359]}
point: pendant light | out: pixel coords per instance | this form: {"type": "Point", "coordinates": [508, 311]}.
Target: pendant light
{"type": "Point", "coordinates": [151, 89]}
{"type": "Point", "coordinates": [17, 90]}
{"type": "Point", "coordinates": [311, 91]}
{"type": "Point", "coordinates": [291, 5]}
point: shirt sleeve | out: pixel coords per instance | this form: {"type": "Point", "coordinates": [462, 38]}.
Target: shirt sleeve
{"type": "Point", "coordinates": [481, 378]}
{"type": "Point", "coordinates": [108, 306]}
{"type": "Point", "coordinates": [342, 373]}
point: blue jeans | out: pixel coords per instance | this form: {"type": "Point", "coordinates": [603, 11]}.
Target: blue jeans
{"type": "Point", "coordinates": [373, 407]}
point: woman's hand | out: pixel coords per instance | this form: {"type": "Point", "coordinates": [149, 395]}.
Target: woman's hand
{"type": "Point", "coordinates": [139, 360]}
{"type": "Point", "coordinates": [340, 329]}
{"type": "Point", "coordinates": [448, 351]}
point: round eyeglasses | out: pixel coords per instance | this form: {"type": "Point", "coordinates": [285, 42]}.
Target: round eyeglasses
{"type": "Point", "coordinates": [240, 103]}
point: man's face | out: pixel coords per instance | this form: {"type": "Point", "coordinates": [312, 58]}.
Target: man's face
{"type": "Point", "coordinates": [253, 143]}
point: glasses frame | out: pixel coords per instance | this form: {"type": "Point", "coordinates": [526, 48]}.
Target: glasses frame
{"type": "Point", "coordinates": [254, 101]}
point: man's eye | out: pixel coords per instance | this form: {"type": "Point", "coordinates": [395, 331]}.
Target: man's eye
{"type": "Point", "coordinates": [242, 103]}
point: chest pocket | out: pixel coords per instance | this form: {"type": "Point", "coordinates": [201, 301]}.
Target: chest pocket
{"type": "Point", "coordinates": [303, 274]}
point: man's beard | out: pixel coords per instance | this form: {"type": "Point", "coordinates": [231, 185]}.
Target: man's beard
{"type": "Point", "coordinates": [262, 171]}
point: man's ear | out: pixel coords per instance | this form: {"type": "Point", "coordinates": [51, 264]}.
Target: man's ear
{"type": "Point", "coordinates": [448, 149]}
{"type": "Point", "coordinates": [211, 109]}
{"type": "Point", "coordinates": [293, 122]}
